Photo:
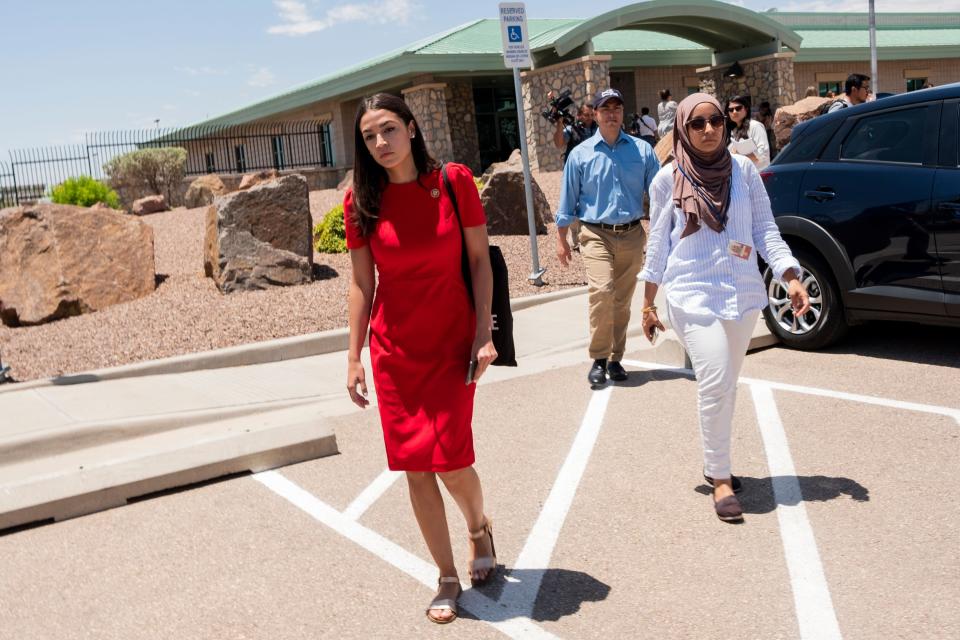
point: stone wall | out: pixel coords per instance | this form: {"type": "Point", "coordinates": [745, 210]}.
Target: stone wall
{"type": "Point", "coordinates": [769, 78]}
{"type": "Point", "coordinates": [462, 115]}
{"type": "Point", "coordinates": [428, 102]}
{"type": "Point", "coordinates": [583, 76]}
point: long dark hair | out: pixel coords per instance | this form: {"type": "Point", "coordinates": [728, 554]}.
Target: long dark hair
{"type": "Point", "coordinates": [369, 178]}
{"type": "Point", "coordinates": [743, 129]}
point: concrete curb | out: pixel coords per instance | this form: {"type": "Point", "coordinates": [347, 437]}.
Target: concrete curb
{"type": "Point", "coordinates": [311, 344]}
{"type": "Point", "coordinates": [102, 477]}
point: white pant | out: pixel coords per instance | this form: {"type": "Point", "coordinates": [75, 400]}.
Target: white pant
{"type": "Point", "coordinates": [716, 349]}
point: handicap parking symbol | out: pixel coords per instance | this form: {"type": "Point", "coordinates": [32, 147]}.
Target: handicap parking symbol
{"type": "Point", "coordinates": [514, 34]}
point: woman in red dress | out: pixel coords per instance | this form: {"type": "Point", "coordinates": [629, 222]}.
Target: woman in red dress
{"type": "Point", "coordinates": [425, 336]}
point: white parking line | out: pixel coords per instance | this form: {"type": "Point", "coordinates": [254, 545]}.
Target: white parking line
{"type": "Point", "coordinates": [535, 556]}
{"type": "Point", "coordinates": [473, 601]}
{"type": "Point", "coordinates": [815, 391]}
{"type": "Point", "coordinates": [371, 494]}
{"type": "Point", "coordinates": [811, 595]}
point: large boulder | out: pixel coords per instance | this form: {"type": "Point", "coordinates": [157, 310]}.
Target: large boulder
{"type": "Point", "coordinates": [260, 237]}
{"type": "Point", "coordinates": [505, 202]}
{"type": "Point", "coordinates": [60, 260]}
{"type": "Point", "coordinates": [347, 181]}
{"type": "Point", "coordinates": [789, 116]}
{"type": "Point", "coordinates": [203, 190]}
{"type": "Point", "coordinates": [253, 179]}
{"type": "Point", "coordinates": [149, 204]}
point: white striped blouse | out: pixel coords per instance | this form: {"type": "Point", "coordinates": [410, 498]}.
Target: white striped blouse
{"type": "Point", "coordinates": [699, 273]}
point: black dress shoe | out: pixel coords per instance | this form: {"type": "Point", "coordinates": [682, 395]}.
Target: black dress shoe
{"type": "Point", "coordinates": [616, 371]}
{"type": "Point", "coordinates": [728, 509]}
{"type": "Point", "coordinates": [734, 481]}
{"type": "Point", "coordinates": [598, 372]}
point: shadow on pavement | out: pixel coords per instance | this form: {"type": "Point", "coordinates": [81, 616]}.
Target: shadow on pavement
{"type": "Point", "coordinates": [906, 341]}
{"type": "Point", "coordinates": [638, 378]}
{"type": "Point", "coordinates": [757, 495]}
{"type": "Point", "coordinates": [562, 592]}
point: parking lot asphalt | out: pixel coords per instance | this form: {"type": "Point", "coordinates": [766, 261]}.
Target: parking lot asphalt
{"type": "Point", "coordinates": [601, 519]}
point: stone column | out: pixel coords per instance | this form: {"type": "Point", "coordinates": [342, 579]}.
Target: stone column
{"type": "Point", "coordinates": [583, 76]}
{"type": "Point", "coordinates": [462, 114]}
{"type": "Point", "coordinates": [767, 78]}
{"type": "Point", "coordinates": [428, 102]}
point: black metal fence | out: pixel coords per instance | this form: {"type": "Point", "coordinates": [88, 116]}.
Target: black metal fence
{"type": "Point", "coordinates": [32, 173]}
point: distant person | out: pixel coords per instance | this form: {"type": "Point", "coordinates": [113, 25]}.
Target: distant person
{"type": "Point", "coordinates": [831, 94]}
{"type": "Point", "coordinates": [647, 126]}
{"type": "Point", "coordinates": [927, 85]}
{"type": "Point", "coordinates": [765, 116]}
{"type": "Point", "coordinates": [856, 90]}
{"type": "Point", "coordinates": [603, 185]}
{"type": "Point", "coordinates": [811, 91]}
{"type": "Point", "coordinates": [666, 113]}
{"type": "Point", "coordinates": [426, 337]}
{"type": "Point", "coordinates": [748, 137]}
{"type": "Point", "coordinates": [566, 137]}
{"type": "Point", "coordinates": [711, 220]}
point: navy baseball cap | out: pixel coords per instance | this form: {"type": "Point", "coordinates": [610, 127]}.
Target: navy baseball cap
{"type": "Point", "coordinates": [607, 94]}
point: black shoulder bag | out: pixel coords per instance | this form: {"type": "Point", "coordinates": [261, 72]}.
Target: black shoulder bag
{"type": "Point", "coordinates": [500, 308]}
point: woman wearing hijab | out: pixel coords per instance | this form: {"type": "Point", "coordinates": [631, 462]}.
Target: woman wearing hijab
{"type": "Point", "coordinates": [710, 216]}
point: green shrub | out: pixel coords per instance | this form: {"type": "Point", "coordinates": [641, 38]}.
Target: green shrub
{"type": "Point", "coordinates": [330, 236]}
{"type": "Point", "coordinates": [85, 192]}
{"type": "Point", "coordinates": [161, 170]}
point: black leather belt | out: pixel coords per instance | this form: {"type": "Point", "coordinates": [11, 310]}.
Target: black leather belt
{"type": "Point", "coordinates": [613, 227]}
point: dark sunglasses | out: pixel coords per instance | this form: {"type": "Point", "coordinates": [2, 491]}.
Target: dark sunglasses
{"type": "Point", "coordinates": [699, 124]}
{"type": "Point", "coordinates": [735, 108]}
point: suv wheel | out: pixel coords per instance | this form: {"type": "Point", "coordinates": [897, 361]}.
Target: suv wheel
{"type": "Point", "coordinates": [823, 325]}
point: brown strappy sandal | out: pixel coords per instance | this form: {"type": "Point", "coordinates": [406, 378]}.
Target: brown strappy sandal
{"type": "Point", "coordinates": [485, 562]}
{"type": "Point", "coordinates": [445, 604]}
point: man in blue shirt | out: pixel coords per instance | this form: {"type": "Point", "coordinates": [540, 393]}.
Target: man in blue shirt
{"type": "Point", "coordinates": [604, 180]}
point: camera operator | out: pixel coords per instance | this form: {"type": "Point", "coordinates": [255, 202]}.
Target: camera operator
{"type": "Point", "coordinates": [566, 137]}
{"type": "Point", "coordinates": [646, 127]}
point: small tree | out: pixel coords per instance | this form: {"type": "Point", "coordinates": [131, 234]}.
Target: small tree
{"type": "Point", "coordinates": [329, 235]}
{"type": "Point", "coordinates": [85, 192]}
{"type": "Point", "coordinates": [159, 170]}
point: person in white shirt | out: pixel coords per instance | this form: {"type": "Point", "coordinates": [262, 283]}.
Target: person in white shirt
{"type": "Point", "coordinates": [666, 113]}
{"type": "Point", "coordinates": [647, 127]}
{"type": "Point", "coordinates": [744, 128]}
{"type": "Point", "coordinates": [710, 216]}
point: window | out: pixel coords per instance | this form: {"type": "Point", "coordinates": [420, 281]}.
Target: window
{"type": "Point", "coordinates": [277, 143]}
{"type": "Point", "coordinates": [825, 87]}
{"type": "Point", "coordinates": [895, 136]}
{"type": "Point", "coordinates": [915, 83]}
{"type": "Point", "coordinates": [208, 160]}
{"type": "Point", "coordinates": [807, 147]}
{"type": "Point", "coordinates": [240, 155]}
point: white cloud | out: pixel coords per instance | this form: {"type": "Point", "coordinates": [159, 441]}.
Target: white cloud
{"type": "Point", "coordinates": [262, 77]}
{"type": "Point", "coordinates": [862, 6]}
{"type": "Point", "coordinates": [297, 20]}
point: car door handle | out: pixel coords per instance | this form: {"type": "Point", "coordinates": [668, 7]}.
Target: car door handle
{"type": "Point", "coordinates": [821, 194]}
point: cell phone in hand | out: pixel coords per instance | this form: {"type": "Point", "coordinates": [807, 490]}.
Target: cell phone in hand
{"type": "Point", "coordinates": [654, 334]}
{"type": "Point", "coordinates": [471, 371]}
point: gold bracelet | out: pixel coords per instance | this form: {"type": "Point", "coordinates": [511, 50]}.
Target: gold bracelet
{"type": "Point", "coordinates": [652, 307]}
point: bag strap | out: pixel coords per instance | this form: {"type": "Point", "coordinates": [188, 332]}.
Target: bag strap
{"type": "Point", "coordinates": [468, 280]}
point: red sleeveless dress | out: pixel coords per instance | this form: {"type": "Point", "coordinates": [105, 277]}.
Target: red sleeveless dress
{"type": "Point", "coordinates": [422, 323]}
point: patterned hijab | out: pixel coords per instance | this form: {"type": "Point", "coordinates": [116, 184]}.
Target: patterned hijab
{"type": "Point", "coordinates": [701, 183]}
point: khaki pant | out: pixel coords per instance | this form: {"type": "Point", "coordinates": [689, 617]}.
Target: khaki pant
{"type": "Point", "coordinates": [612, 260]}
{"type": "Point", "coordinates": [575, 234]}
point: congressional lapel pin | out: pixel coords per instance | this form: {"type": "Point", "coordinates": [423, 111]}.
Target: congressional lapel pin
{"type": "Point", "coordinates": [435, 193]}
{"type": "Point", "coordinates": [740, 250]}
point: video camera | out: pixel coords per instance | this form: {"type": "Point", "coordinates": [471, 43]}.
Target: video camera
{"type": "Point", "coordinates": [558, 109]}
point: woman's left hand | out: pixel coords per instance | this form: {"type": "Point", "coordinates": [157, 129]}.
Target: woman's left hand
{"type": "Point", "coordinates": [483, 352]}
{"type": "Point", "coordinates": [799, 300]}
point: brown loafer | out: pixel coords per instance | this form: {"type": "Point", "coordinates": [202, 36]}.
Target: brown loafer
{"type": "Point", "coordinates": [728, 509]}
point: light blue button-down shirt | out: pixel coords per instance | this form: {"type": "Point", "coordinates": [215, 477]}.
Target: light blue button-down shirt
{"type": "Point", "coordinates": [698, 273]}
{"type": "Point", "coordinates": [606, 184]}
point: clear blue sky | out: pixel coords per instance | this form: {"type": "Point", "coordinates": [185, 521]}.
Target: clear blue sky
{"type": "Point", "coordinates": [73, 66]}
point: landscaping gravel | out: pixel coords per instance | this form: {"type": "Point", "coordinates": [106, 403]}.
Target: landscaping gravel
{"type": "Point", "coordinates": [187, 314]}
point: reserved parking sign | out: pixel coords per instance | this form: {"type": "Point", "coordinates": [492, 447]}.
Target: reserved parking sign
{"type": "Point", "coordinates": [516, 40]}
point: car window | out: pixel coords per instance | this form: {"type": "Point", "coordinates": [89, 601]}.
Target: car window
{"type": "Point", "coordinates": [894, 136]}
{"type": "Point", "coordinates": [807, 147]}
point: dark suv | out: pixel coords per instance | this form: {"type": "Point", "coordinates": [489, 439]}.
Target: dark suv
{"type": "Point", "coordinates": [868, 198]}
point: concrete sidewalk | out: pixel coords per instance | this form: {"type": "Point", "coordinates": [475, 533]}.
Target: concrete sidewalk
{"type": "Point", "coordinates": [62, 444]}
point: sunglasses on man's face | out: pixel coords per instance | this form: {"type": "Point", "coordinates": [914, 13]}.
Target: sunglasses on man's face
{"type": "Point", "coordinates": [699, 124]}
{"type": "Point", "coordinates": [735, 108]}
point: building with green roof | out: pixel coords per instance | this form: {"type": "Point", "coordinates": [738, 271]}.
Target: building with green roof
{"type": "Point", "coordinates": [463, 97]}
